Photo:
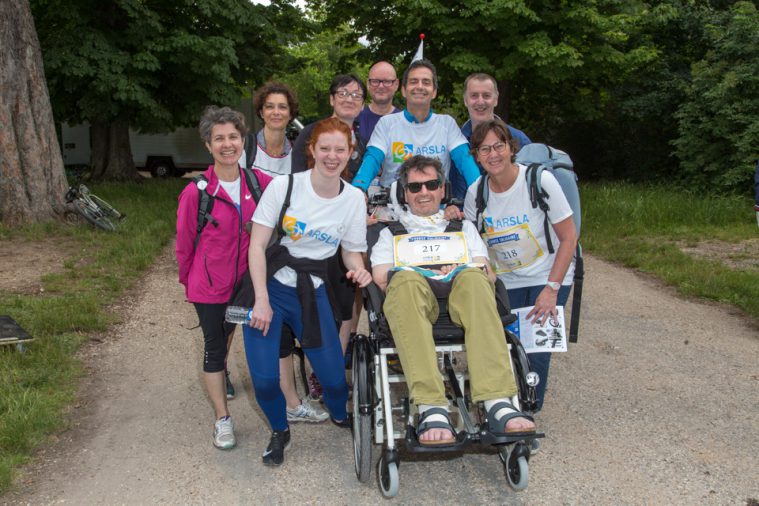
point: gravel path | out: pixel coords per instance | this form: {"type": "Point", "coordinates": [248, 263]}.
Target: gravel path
{"type": "Point", "coordinates": [657, 404]}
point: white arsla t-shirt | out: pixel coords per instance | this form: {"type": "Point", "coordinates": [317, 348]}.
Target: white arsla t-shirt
{"type": "Point", "coordinates": [382, 252]}
{"type": "Point", "coordinates": [314, 226]}
{"type": "Point", "coordinates": [512, 224]}
{"type": "Point", "coordinates": [399, 139]}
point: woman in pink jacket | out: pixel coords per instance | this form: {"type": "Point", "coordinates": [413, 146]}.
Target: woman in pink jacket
{"type": "Point", "coordinates": [212, 260]}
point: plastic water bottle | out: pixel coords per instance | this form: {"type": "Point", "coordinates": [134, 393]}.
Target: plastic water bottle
{"type": "Point", "coordinates": [238, 315]}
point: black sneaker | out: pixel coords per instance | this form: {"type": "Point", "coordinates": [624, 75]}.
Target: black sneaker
{"type": "Point", "coordinates": [343, 424]}
{"type": "Point", "coordinates": [230, 387]}
{"type": "Point", "coordinates": [275, 452]}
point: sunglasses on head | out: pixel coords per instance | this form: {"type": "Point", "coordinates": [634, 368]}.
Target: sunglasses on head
{"type": "Point", "coordinates": [432, 185]}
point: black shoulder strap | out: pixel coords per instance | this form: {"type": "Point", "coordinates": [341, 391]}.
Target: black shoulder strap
{"type": "Point", "coordinates": [538, 199]}
{"type": "Point", "coordinates": [481, 202]}
{"type": "Point", "coordinates": [251, 147]}
{"type": "Point", "coordinates": [396, 228]}
{"type": "Point", "coordinates": [454, 226]}
{"type": "Point", "coordinates": [285, 206]}
{"type": "Point", "coordinates": [253, 185]}
{"type": "Point", "coordinates": [205, 205]}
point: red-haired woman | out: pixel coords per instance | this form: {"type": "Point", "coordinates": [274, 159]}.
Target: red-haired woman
{"type": "Point", "coordinates": [290, 277]}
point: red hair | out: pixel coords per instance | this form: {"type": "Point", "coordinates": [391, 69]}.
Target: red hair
{"type": "Point", "coordinates": [326, 126]}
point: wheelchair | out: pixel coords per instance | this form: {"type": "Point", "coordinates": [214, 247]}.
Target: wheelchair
{"type": "Point", "coordinates": [380, 408]}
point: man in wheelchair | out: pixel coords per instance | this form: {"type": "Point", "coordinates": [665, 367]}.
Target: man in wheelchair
{"type": "Point", "coordinates": [425, 256]}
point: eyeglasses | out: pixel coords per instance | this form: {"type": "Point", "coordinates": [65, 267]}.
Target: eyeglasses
{"type": "Point", "coordinates": [354, 95]}
{"type": "Point", "coordinates": [431, 185]}
{"type": "Point", "coordinates": [498, 147]}
{"type": "Point", "coordinates": [381, 82]}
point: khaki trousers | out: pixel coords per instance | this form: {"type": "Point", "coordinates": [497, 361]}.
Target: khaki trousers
{"type": "Point", "coordinates": [411, 308]}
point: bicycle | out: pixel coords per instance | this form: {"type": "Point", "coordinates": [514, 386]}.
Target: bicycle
{"type": "Point", "coordinates": [94, 209]}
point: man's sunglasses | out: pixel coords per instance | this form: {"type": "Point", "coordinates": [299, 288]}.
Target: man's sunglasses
{"type": "Point", "coordinates": [432, 185]}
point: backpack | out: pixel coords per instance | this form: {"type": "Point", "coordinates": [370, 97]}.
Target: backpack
{"type": "Point", "coordinates": [538, 158]}
{"type": "Point", "coordinates": [206, 200]}
{"type": "Point", "coordinates": [251, 147]}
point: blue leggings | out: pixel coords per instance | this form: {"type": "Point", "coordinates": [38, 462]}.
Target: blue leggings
{"type": "Point", "coordinates": [523, 297]}
{"type": "Point", "coordinates": [262, 353]}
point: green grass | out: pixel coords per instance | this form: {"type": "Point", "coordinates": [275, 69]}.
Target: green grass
{"type": "Point", "coordinates": [639, 226]}
{"type": "Point", "coordinates": [36, 386]}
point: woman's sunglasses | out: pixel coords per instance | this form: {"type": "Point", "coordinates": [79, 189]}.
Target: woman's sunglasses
{"type": "Point", "coordinates": [432, 185]}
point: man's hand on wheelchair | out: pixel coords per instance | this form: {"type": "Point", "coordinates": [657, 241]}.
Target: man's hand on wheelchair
{"type": "Point", "coordinates": [545, 306]}
{"type": "Point", "coordinates": [361, 277]}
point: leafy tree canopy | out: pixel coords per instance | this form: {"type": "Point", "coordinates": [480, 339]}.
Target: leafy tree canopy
{"type": "Point", "coordinates": [156, 63]}
{"type": "Point", "coordinates": [552, 60]}
{"type": "Point", "coordinates": [718, 143]}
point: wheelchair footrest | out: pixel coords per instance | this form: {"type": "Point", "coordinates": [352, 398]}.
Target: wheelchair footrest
{"type": "Point", "coordinates": [464, 439]}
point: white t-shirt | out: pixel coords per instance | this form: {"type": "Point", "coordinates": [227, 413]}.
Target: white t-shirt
{"type": "Point", "coordinates": [399, 139]}
{"type": "Point", "coordinates": [382, 252]}
{"type": "Point", "coordinates": [233, 190]}
{"type": "Point", "coordinates": [273, 165]}
{"type": "Point", "coordinates": [314, 226]}
{"type": "Point", "coordinates": [517, 231]}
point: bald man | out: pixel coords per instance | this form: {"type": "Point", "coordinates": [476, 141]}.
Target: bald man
{"type": "Point", "coordinates": [382, 83]}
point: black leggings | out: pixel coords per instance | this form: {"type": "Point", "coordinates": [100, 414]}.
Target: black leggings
{"type": "Point", "coordinates": [216, 333]}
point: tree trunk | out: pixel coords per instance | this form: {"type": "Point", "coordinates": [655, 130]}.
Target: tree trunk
{"type": "Point", "coordinates": [32, 179]}
{"type": "Point", "coordinates": [504, 100]}
{"type": "Point", "coordinates": [111, 152]}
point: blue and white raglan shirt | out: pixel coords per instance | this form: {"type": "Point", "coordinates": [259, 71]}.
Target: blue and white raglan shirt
{"type": "Point", "coordinates": [398, 137]}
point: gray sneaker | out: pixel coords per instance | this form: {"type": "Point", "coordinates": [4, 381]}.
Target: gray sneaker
{"type": "Point", "coordinates": [224, 433]}
{"type": "Point", "coordinates": [305, 412]}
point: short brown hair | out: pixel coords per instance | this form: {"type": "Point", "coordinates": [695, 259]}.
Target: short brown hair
{"type": "Point", "coordinates": [270, 88]}
{"type": "Point", "coordinates": [499, 128]}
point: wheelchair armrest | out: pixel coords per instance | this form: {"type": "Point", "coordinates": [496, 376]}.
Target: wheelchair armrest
{"type": "Point", "coordinates": [503, 304]}
{"type": "Point", "coordinates": [374, 295]}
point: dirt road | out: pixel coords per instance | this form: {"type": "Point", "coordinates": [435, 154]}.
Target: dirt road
{"type": "Point", "coordinates": [658, 403]}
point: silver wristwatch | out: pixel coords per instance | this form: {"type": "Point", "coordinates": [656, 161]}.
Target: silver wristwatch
{"type": "Point", "coordinates": [553, 285]}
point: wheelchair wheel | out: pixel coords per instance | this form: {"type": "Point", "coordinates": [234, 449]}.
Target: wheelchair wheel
{"type": "Point", "coordinates": [516, 468]}
{"type": "Point", "coordinates": [362, 423]}
{"type": "Point", "coordinates": [388, 478]}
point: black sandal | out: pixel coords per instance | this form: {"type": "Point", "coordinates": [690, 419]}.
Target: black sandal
{"type": "Point", "coordinates": [498, 425]}
{"type": "Point", "coordinates": [423, 426]}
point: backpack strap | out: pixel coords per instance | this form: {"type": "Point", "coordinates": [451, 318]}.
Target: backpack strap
{"type": "Point", "coordinates": [454, 226]}
{"type": "Point", "coordinates": [538, 198]}
{"type": "Point", "coordinates": [251, 147]}
{"type": "Point", "coordinates": [396, 228]}
{"type": "Point", "coordinates": [253, 185]}
{"type": "Point", "coordinates": [285, 205]}
{"type": "Point", "coordinates": [205, 205]}
{"type": "Point", "coordinates": [481, 202]}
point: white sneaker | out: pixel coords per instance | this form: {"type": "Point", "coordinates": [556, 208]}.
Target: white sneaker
{"type": "Point", "coordinates": [305, 412]}
{"type": "Point", "coordinates": [224, 433]}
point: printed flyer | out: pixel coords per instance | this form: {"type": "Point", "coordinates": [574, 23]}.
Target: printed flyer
{"type": "Point", "coordinates": [550, 336]}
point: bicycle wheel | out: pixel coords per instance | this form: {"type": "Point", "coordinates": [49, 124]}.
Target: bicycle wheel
{"type": "Point", "coordinates": [107, 208]}
{"type": "Point", "coordinates": [92, 213]}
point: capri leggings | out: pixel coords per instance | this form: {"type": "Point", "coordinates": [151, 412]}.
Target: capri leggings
{"type": "Point", "coordinates": [327, 361]}
{"type": "Point", "coordinates": [539, 362]}
{"type": "Point", "coordinates": [216, 332]}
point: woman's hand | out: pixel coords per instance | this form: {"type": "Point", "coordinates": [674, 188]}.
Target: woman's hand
{"type": "Point", "coordinates": [261, 317]}
{"type": "Point", "coordinates": [545, 306]}
{"type": "Point", "coordinates": [359, 276]}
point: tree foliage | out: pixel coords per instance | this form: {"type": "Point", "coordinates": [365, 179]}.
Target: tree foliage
{"type": "Point", "coordinates": [152, 65]}
{"type": "Point", "coordinates": [718, 142]}
{"type": "Point", "coordinates": [554, 61]}
{"type": "Point", "coordinates": [314, 61]}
